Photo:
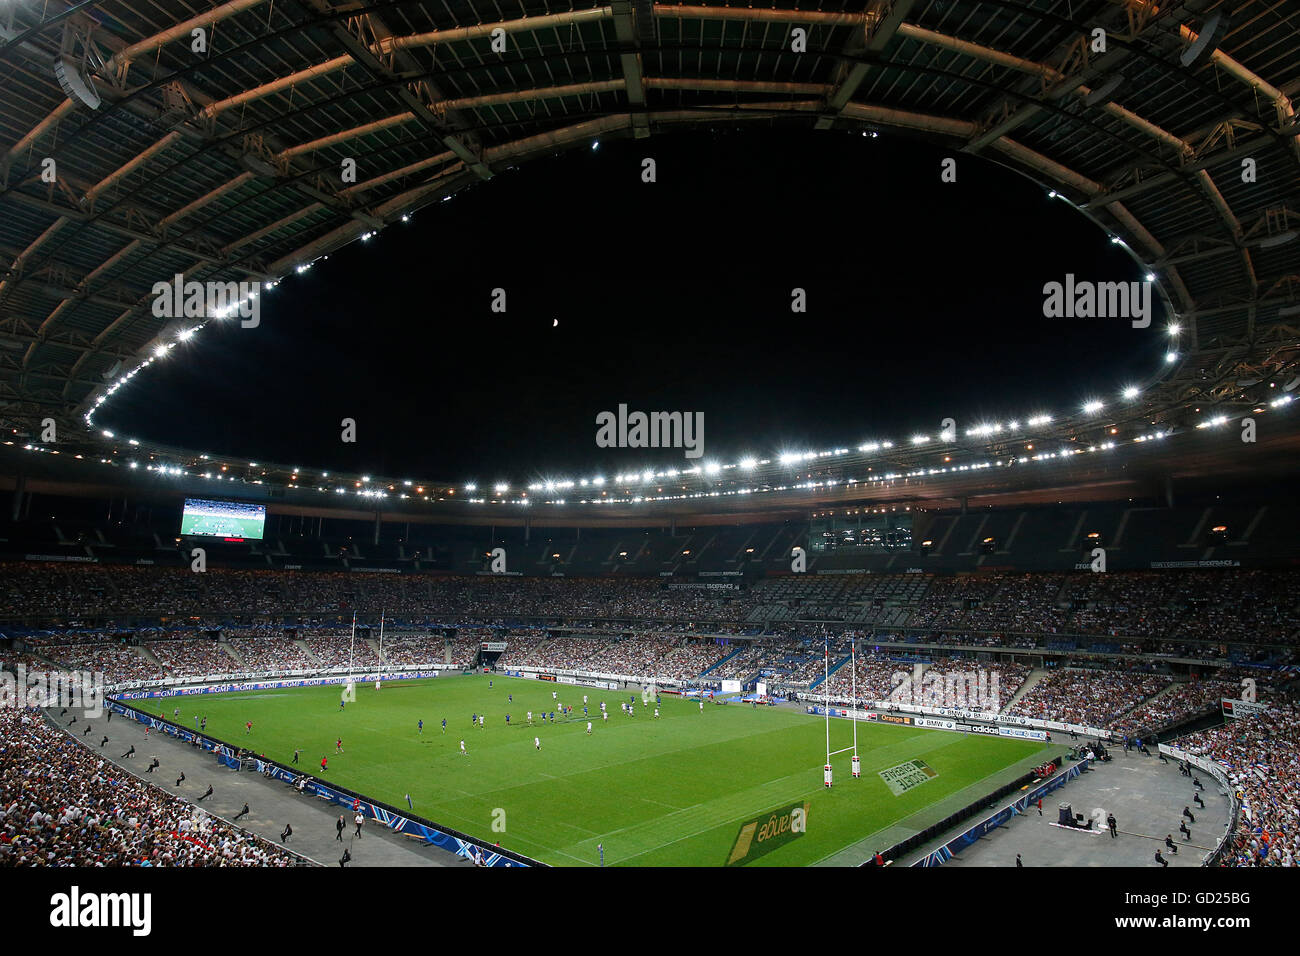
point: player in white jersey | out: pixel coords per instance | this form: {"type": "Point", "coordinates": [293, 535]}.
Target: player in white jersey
{"type": "Point", "coordinates": [589, 728]}
{"type": "Point", "coordinates": [537, 742]}
{"type": "Point", "coordinates": [604, 715]}
{"type": "Point", "coordinates": [530, 718]}
{"type": "Point", "coordinates": [656, 713]}
{"type": "Point", "coordinates": [584, 700]}
{"type": "Point", "coordinates": [701, 705]}
{"type": "Point", "coordinates": [462, 748]}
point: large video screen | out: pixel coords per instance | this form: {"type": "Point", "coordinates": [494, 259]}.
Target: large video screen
{"type": "Point", "coordinates": [223, 519]}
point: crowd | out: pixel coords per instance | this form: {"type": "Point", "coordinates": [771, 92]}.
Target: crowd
{"type": "Point", "coordinates": [1223, 607]}
{"type": "Point", "coordinates": [61, 804]}
{"type": "Point", "coordinates": [184, 658]}
{"type": "Point", "coordinates": [1177, 704]}
{"type": "Point", "coordinates": [408, 650]}
{"type": "Point", "coordinates": [1091, 697]}
{"type": "Point", "coordinates": [116, 662]}
{"type": "Point", "coordinates": [941, 682]}
{"type": "Point", "coordinates": [1262, 762]}
{"type": "Point", "coordinates": [270, 653]}
{"type": "Point", "coordinates": [560, 652]}
{"type": "Point", "coordinates": [338, 648]}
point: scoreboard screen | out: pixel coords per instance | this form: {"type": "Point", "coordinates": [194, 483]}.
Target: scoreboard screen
{"type": "Point", "coordinates": [223, 519]}
{"type": "Point", "coordinates": [494, 647]}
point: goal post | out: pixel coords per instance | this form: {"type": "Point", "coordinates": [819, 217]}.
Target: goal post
{"type": "Point", "coordinates": [855, 761]}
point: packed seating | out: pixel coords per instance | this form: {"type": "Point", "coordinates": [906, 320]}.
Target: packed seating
{"type": "Point", "coordinates": [944, 682]}
{"type": "Point", "coordinates": [400, 650]}
{"type": "Point", "coordinates": [339, 648]}
{"type": "Point", "coordinates": [62, 804]}
{"type": "Point", "coordinates": [560, 652]}
{"type": "Point", "coordinates": [192, 658]}
{"type": "Point", "coordinates": [1262, 762]}
{"type": "Point", "coordinates": [1179, 703]}
{"type": "Point", "coordinates": [117, 663]}
{"type": "Point", "coordinates": [1207, 608]}
{"type": "Point", "coordinates": [1094, 698]}
{"type": "Point", "coordinates": [271, 653]}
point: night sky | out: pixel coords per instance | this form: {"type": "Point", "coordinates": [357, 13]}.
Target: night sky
{"type": "Point", "coordinates": [924, 301]}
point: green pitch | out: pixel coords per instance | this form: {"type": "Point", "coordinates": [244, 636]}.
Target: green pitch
{"type": "Point", "coordinates": [673, 791]}
{"type": "Point", "coordinates": [225, 527]}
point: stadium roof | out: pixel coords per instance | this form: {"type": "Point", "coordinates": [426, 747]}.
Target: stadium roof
{"type": "Point", "coordinates": [224, 164]}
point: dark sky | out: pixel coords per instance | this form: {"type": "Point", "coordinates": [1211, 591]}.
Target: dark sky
{"type": "Point", "coordinates": [924, 301]}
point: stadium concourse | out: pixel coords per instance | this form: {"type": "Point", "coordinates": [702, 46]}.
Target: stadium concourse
{"type": "Point", "coordinates": [1154, 674]}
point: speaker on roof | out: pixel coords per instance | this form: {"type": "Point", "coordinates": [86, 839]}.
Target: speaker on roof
{"type": "Point", "coordinates": [75, 84]}
{"type": "Point", "coordinates": [1204, 46]}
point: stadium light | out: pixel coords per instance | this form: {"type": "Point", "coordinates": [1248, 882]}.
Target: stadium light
{"type": "Point", "coordinates": [1171, 357]}
{"type": "Point", "coordinates": [748, 463]}
{"type": "Point", "coordinates": [1174, 328]}
{"type": "Point", "coordinates": [1131, 392]}
{"type": "Point", "coordinates": [1093, 407]}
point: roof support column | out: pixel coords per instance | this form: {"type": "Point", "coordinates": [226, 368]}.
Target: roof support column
{"type": "Point", "coordinates": [625, 30]}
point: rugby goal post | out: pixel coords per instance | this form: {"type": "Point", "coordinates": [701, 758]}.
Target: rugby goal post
{"type": "Point", "coordinates": [855, 763]}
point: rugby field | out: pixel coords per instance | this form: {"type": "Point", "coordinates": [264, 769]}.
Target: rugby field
{"type": "Point", "coordinates": [672, 791]}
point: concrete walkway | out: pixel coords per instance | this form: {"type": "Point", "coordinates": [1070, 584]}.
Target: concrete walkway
{"type": "Point", "coordinates": [271, 803]}
{"type": "Point", "coordinates": [1145, 795]}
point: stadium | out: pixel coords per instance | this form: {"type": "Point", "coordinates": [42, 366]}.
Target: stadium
{"type": "Point", "coordinates": [937, 586]}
